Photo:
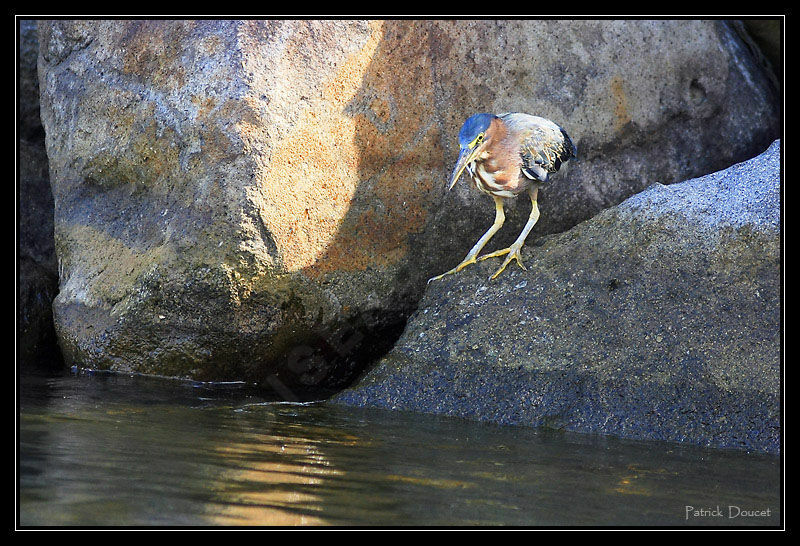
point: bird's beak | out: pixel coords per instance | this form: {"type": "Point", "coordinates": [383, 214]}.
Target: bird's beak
{"type": "Point", "coordinates": [464, 158]}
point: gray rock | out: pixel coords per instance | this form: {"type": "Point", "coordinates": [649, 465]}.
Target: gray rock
{"type": "Point", "coordinates": [265, 199]}
{"type": "Point", "coordinates": [764, 38]}
{"type": "Point", "coordinates": [29, 124]}
{"type": "Point", "coordinates": [37, 276]}
{"type": "Point", "coordinates": [658, 318]}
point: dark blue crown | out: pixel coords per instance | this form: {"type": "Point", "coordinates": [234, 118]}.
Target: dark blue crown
{"type": "Point", "coordinates": [474, 125]}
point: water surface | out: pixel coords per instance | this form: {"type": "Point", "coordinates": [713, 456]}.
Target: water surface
{"type": "Point", "coordinates": [108, 450]}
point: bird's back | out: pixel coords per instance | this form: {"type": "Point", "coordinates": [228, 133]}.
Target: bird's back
{"type": "Point", "coordinates": [544, 145]}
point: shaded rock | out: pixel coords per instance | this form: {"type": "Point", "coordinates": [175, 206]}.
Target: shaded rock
{"type": "Point", "coordinates": [36, 337]}
{"type": "Point", "coordinates": [29, 125]}
{"type": "Point", "coordinates": [265, 199]}
{"type": "Point", "coordinates": [658, 318]}
{"type": "Point", "coordinates": [766, 36]}
{"type": "Point", "coordinates": [37, 277]}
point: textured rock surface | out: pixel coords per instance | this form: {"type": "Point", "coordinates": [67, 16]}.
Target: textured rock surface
{"type": "Point", "coordinates": [237, 198]}
{"type": "Point", "coordinates": [766, 34]}
{"type": "Point", "coordinates": [37, 276]}
{"type": "Point", "coordinates": [658, 318]}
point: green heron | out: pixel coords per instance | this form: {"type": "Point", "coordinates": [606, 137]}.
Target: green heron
{"type": "Point", "coordinates": [506, 155]}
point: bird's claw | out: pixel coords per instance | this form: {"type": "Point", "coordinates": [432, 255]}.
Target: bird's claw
{"type": "Point", "coordinates": [468, 260]}
{"type": "Point", "coordinates": [513, 254]}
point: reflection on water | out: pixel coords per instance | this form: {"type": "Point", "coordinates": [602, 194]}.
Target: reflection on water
{"type": "Point", "coordinates": [272, 482]}
{"type": "Point", "coordinates": [103, 449]}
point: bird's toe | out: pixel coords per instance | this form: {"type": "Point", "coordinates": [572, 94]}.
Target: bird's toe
{"type": "Point", "coordinates": [513, 254]}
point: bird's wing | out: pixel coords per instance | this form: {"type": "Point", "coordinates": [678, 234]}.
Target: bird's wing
{"type": "Point", "coordinates": [544, 146]}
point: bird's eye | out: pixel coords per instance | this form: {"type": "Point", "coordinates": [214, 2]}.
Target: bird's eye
{"type": "Point", "coordinates": [478, 139]}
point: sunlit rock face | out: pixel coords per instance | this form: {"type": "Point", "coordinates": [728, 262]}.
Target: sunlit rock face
{"type": "Point", "coordinates": [264, 200]}
{"type": "Point", "coordinates": [658, 318]}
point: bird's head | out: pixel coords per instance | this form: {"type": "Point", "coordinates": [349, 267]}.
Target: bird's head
{"type": "Point", "coordinates": [472, 137]}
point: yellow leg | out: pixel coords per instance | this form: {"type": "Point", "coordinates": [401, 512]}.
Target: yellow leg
{"type": "Point", "coordinates": [499, 218]}
{"type": "Point", "coordinates": [514, 250]}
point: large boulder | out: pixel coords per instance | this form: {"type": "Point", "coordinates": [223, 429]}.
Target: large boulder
{"type": "Point", "coordinates": [658, 318]}
{"type": "Point", "coordinates": [37, 275]}
{"type": "Point", "coordinates": [264, 200]}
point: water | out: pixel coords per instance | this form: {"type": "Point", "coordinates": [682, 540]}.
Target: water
{"type": "Point", "coordinates": [107, 450]}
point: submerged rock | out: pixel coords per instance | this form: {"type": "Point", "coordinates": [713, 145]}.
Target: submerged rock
{"type": "Point", "coordinates": [264, 200]}
{"type": "Point", "coordinates": [658, 318]}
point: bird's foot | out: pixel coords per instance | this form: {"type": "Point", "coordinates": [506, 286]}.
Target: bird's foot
{"type": "Point", "coordinates": [513, 254]}
{"type": "Point", "coordinates": [467, 261]}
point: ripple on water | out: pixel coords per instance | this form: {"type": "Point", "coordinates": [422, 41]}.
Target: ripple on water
{"type": "Point", "coordinates": [106, 449]}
